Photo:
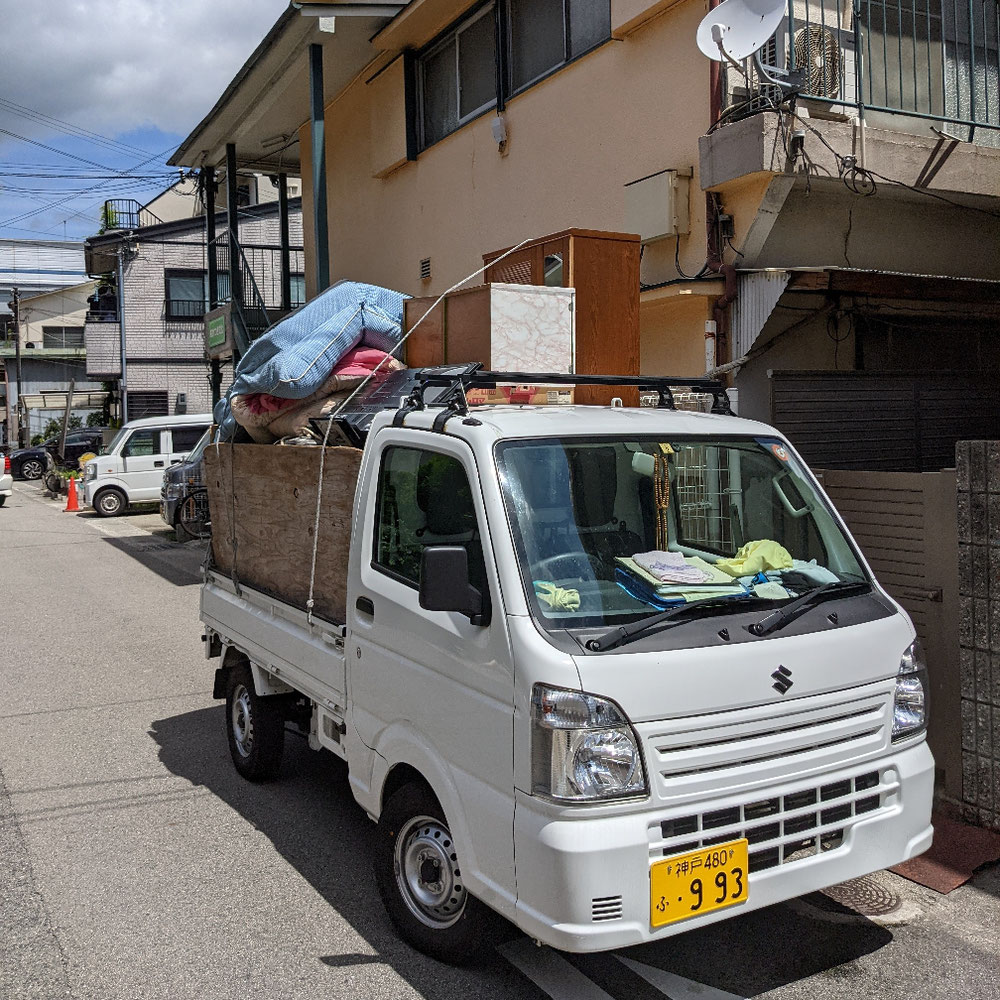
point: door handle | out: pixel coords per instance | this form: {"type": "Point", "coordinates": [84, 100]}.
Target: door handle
{"type": "Point", "coordinates": [365, 605]}
{"type": "Point", "coordinates": [157, 465]}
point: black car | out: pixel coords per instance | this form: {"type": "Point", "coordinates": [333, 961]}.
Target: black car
{"type": "Point", "coordinates": [31, 463]}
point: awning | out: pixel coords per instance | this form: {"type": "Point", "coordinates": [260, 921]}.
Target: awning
{"type": "Point", "coordinates": [56, 400]}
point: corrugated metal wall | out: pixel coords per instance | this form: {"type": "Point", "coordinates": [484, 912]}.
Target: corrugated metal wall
{"type": "Point", "coordinates": [903, 422]}
{"type": "Point", "coordinates": [757, 295]}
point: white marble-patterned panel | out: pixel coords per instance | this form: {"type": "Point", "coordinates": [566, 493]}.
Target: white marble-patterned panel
{"type": "Point", "coordinates": [532, 328]}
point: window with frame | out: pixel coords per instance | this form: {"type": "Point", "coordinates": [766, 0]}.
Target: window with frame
{"type": "Point", "coordinates": [424, 498]}
{"type": "Point", "coordinates": [62, 336]}
{"type": "Point", "coordinates": [457, 75]}
{"type": "Point", "coordinates": [545, 34]}
{"type": "Point", "coordinates": [185, 438]}
{"type": "Point", "coordinates": [187, 294]}
{"type": "Point", "coordinates": [142, 443]}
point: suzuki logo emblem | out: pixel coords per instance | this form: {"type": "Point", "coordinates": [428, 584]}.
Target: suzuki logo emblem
{"type": "Point", "coordinates": [782, 678]}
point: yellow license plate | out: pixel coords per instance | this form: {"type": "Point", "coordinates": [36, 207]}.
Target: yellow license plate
{"type": "Point", "coordinates": [702, 881]}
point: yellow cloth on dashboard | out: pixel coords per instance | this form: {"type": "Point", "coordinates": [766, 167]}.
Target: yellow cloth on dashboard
{"type": "Point", "coordinates": [557, 598]}
{"type": "Point", "coordinates": [756, 557]}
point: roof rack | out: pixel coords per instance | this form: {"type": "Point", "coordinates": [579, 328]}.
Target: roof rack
{"type": "Point", "coordinates": [445, 387]}
{"type": "Point", "coordinates": [461, 378]}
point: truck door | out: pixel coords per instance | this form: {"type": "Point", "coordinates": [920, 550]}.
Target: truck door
{"type": "Point", "coordinates": [430, 688]}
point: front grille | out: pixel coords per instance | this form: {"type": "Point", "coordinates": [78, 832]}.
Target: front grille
{"type": "Point", "coordinates": [782, 828]}
{"type": "Point", "coordinates": [705, 754]}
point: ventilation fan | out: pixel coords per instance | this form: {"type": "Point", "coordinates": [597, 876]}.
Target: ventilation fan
{"type": "Point", "coordinates": [817, 51]}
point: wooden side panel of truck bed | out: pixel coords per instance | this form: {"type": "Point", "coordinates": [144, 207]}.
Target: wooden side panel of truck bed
{"type": "Point", "coordinates": [262, 502]}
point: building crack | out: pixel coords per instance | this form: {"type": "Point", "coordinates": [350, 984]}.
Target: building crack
{"type": "Point", "coordinates": [847, 235]}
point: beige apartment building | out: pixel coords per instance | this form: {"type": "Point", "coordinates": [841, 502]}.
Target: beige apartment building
{"type": "Point", "coordinates": [851, 236]}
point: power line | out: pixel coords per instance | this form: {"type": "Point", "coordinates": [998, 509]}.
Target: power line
{"type": "Point", "coordinates": [52, 149]}
{"type": "Point", "coordinates": [58, 125]}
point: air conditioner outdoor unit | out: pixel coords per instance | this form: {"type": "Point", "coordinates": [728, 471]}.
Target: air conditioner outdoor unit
{"type": "Point", "coordinates": [824, 51]}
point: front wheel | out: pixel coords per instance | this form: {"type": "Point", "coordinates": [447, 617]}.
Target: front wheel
{"type": "Point", "coordinates": [255, 726]}
{"type": "Point", "coordinates": [110, 502]}
{"type": "Point", "coordinates": [420, 880]}
{"type": "Point", "coordinates": [3, 500]}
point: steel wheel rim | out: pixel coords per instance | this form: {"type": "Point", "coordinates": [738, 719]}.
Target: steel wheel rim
{"type": "Point", "coordinates": [32, 469]}
{"type": "Point", "coordinates": [242, 721]}
{"type": "Point", "coordinates": [110, 503]}
{"type": "Point", "coordinates": [427, 872]}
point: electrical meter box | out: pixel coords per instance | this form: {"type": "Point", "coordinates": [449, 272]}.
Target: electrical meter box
{"type": "Point", "coordinates": [658, 206]}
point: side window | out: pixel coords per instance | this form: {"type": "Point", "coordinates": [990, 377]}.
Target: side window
{"type": "Point", "coordinates": [185, 438]}
{"type": "Point", "coordinates": [424, 498]}
{"type": "Point", "coordinates": [144, 442]}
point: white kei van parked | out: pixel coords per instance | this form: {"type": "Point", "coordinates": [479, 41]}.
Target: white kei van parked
{"type": "Point", "coordinates": [130, 469]}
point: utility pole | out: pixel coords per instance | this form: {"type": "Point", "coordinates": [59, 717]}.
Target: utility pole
{"type": "Point", "coordinates": [15, 307]}
{"type": "Point", "coordinates": [121, 328]}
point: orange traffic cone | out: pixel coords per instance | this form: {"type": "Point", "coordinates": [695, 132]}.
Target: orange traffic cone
{"type": "Point", "coordinates": [71, 504]}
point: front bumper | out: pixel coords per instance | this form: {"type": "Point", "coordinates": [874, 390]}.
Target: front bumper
{"type": "Point", "coordinates": [568, 869]}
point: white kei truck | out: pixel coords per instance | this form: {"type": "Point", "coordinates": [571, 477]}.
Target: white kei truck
{"type": "Point", "coordinates": [611, 672]}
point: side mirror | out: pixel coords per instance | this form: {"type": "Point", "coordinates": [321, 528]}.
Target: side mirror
{"type": "Point", "coordinates": [444, 583]}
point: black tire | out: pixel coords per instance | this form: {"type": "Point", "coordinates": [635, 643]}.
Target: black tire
{"type": "Point", "coordinates": [419, 879]}
{"type": "Point", "coordinates": [3, 500]}
{"type": "Point", "coordinates": [255, 727]}
{"type": "Point", "coordinates": [110, 502]}
{"type": "Point", "coordinates": [32, 469]}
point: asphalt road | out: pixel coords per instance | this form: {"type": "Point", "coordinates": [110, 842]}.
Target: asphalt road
{"type": "Point", "coordinates": [135, 863]}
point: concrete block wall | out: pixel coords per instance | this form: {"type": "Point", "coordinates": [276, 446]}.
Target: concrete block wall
{"type": "Point", "coordinates": [978, 489]}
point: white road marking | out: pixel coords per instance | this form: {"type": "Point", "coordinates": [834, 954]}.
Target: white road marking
{"type": "Point", "coordinates": [550, 972]}
{"type": "Point", "coordinates": [673, 986]}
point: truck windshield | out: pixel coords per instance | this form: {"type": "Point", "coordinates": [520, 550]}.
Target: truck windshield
{"type": "Point", "coordinates": [608, 531]}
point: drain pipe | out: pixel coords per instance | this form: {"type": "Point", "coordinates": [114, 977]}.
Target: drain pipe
{"type": "Point", "coordinates": [714, 254]}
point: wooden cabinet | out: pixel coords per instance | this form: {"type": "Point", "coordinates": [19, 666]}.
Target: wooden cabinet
{"type": "Point", "coordinates": [603, 268]}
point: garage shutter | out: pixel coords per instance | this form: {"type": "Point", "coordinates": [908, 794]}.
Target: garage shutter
{"type": "Point", "coordinates": [896, 421]}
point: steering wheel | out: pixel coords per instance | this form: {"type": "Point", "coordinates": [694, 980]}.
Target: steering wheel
{"type": "Point", "coordinates": [564, 566]}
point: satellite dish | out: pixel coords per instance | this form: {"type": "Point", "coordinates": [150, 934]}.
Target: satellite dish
{"type": "Point", "coordinates": [736, 29]}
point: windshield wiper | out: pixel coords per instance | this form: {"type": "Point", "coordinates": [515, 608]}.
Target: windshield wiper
{"type": "Point", "coordinates": [788, 612]}
{"type": "Point", "coordinates": [620, 635]}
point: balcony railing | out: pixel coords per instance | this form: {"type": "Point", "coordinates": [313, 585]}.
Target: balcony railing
{"type": "Point", "coordinates": [126, 213]}
{"type": "Point", "coordinates": [937, 60]}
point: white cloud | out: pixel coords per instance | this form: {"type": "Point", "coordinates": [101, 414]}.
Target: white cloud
{"type": "Point", "coordinates": [112, 66]}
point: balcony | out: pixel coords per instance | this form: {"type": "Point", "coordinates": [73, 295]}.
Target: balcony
{"type": "Point", "coordinates": [889, 157]}
{"type": "Point", "coordinates": [920, 66]}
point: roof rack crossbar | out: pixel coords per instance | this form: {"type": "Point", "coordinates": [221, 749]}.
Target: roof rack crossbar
{"type": "Point", "coordinates": [472, 376]}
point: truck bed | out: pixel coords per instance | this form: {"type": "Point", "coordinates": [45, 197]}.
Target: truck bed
{"type": "Point", "coordinates": [262, 500]}
{"type": "Point", "coordinates": [279, 639]}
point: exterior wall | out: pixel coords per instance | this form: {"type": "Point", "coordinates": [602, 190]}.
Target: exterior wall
{"type": "Point", "coordinates": [620, 113]}
{"type": "Point", "coordinates": [667, 331]}
{"type": "Point", "coordinates": [65, 307]}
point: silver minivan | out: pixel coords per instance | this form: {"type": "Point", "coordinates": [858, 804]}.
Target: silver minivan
{"type": "Point", "coordinates": [130, 469]}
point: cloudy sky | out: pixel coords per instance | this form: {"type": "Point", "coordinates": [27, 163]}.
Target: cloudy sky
{"type": "Point", "coordinates": [96, 94]}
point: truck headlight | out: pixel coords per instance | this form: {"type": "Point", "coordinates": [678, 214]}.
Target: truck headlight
{"type": "Point", "coordinates": [90, 472]}
{"type": "Point", "coordinates": [175, 491]}
{"type": "Point", "coordinates": [582, 748]}
{"type": "Point", "coordinates": [910, 704]}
